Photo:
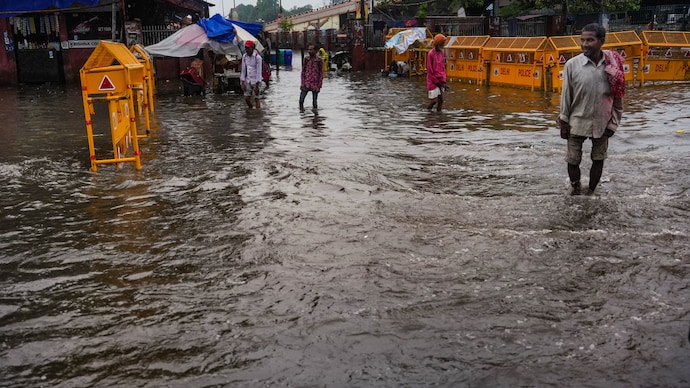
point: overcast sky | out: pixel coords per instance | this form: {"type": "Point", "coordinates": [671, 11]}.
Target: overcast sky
{"type": "Point", "coordinates": [226, 5]}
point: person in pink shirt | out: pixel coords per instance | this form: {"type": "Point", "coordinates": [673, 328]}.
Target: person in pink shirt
{"type": "Point", "coordinates": [312, 77]}
{"type": "Point", "coordinates": [436, 73]}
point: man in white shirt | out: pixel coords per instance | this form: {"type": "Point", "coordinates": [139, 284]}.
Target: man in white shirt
{"type": "Point", "coordinates": [250, 75]}
{"type": "Point", "coordinates": [589, 108]}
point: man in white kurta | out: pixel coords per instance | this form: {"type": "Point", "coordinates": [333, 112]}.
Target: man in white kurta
{"type": "Point", "coordinates": [250, 75]}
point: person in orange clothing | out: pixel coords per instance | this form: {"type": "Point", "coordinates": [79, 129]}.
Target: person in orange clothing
{"type": "Point", "coordinates": [436, 73]}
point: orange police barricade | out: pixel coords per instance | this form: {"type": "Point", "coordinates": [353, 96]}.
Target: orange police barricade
{"type": "Point", "coordinates": [464, 58]}
{"type": "Point", "coordinates": [666, 56]}
{"type": "Point", "coordinates": [517, 61]}
{"type": "Point", "coordinates": [145, 93]}
{"type": "Point", "coordinates": [626, 43]}
{"type": "Point", "coordinates": [415, 46]}
{"type": "Point", "coordinates": [109, 75]}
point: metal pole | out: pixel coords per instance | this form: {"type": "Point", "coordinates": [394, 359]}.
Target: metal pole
{"type": "Point", "coordinates": [113, 21]}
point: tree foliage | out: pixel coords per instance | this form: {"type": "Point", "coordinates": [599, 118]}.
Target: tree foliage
{"type": "Point", "coordinates": [588, 6]}
{"type": "Point", "coordinates": [267, 11]}
{"type": "Point", "coordinates": [407, 9]}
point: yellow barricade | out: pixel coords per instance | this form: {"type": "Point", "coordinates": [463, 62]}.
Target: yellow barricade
{"type": "Point", "coordinates": [418, 54]}
{"type": "Point", "coordinates": [110, 75]}
{"type": "Point", "coordinates": [145, 93]}
{"type": "Point", "coordinates": [414, 56]}
{"type": "Point", "coordinates": [666, 56]}
{"type": "Point", "coordinates": [517, 61]}
{"type": "Point", "coordinates": [465, 58]}
{"type": "Point", "coordinates": [626, 43]}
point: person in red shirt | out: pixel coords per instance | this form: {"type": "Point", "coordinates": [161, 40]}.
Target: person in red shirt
{"type": "Point", "coordinates": [436, 73]}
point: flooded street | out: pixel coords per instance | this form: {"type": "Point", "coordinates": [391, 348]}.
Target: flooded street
{"type": "Point", "coordinates": [367, 244]}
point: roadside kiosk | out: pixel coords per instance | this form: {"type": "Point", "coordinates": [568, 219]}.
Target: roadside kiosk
{"type": "Point", "coordinates": [464, 58]}
{"type": "Point", "coordinates": [625, 43]}
{"type": "Point", "coordinates": [666, 56]}
{"type": "Point", "coordinates": [145, 95]}
{"type": "Point", "coordinates": [110, 75]}
{"type": "Point", "coordinates": [517, 61]}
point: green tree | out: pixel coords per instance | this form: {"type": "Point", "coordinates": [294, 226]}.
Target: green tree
{"type": "Point", "coordinates": [298, 10]}
{"type": "Point", "coordinates": [247, 13]}
{"type": "Point", "coordinates": [267, 10]}
{"type": "Point", "coordinates": [286, 25]}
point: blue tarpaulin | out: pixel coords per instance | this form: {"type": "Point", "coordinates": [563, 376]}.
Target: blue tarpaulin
{"type": "Point", "coordinates": [8, 7]}
{"type": "Point", "coordinates": [220, 29]}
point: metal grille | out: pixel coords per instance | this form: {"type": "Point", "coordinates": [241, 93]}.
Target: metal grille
{"type": "Point", "coordinates": [154, 34]}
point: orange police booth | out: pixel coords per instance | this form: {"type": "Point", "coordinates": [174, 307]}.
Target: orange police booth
{"type": "Point", "coordinates": [464, 58]}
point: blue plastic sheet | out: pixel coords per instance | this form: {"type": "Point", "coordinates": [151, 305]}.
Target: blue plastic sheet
{"type": "Point", "coordinates": [220, 29]}
{"type": "Point", "coordinates": [39, 5]}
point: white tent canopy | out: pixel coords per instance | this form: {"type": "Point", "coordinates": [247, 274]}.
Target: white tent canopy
{"type": "Point", "coordinates": [406, 38]}
{"type": "Point", "coordinates": [189, 40]}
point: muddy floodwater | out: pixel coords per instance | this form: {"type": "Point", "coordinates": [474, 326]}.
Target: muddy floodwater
{"type": "Point", "coordinates": [367, 244]}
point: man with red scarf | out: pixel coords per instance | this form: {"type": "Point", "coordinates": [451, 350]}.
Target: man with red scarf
{"type": "Point", "coordinates": [591, 104]}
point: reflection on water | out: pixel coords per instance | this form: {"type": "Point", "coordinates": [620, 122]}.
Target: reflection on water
{"type": "Point", "coordinates": [366, 243]}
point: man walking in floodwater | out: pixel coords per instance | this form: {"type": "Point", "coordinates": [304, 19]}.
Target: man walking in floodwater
{"type": "Point", "coordinates": [591, 104]}
{"type": "Point", "coordinates": [312, 77]}
{"type": "Point", "coordinates": [250, 75]}
{"type": "Point", "coordinates": [436, 73]}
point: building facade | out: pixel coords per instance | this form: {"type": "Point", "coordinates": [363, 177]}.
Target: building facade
{"type": "Point", "coordinates": [45, 43]}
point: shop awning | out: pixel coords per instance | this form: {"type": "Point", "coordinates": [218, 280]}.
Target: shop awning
{"type": "Point", "coordinates": [10, 8]}
{"type": "Point", "coordinates": [189, 5]}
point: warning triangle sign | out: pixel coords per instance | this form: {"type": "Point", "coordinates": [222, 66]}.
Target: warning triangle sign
{"type": "Point", "coordinates": [106, 84]}
{"type": "Point", "coordinates": [523, 58]}
{"type": "Point", "coordinates": [561, 59]}
{"type": "Point", "coordinates": [461, 55]}
{"type": "Point", "coordinates": [551, 59]}
{"type": "Point", "coordinates": [669, 53]}
{"type": "Point", "coordinates": [649, 52]}
{"type": "Point", "coordinates": [498, 57]}
{"type": "Point", "coordinates": [471, 56]}
{"type": "Point", "coordinates": [624, 54]}
{"type": "Point", "coordinates": [510, 58]}
{"type": "Point", "coordinates": [687, 53]}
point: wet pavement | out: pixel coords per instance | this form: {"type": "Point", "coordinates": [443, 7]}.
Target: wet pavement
{"type": "Point", "coordinates": [369, 243]}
